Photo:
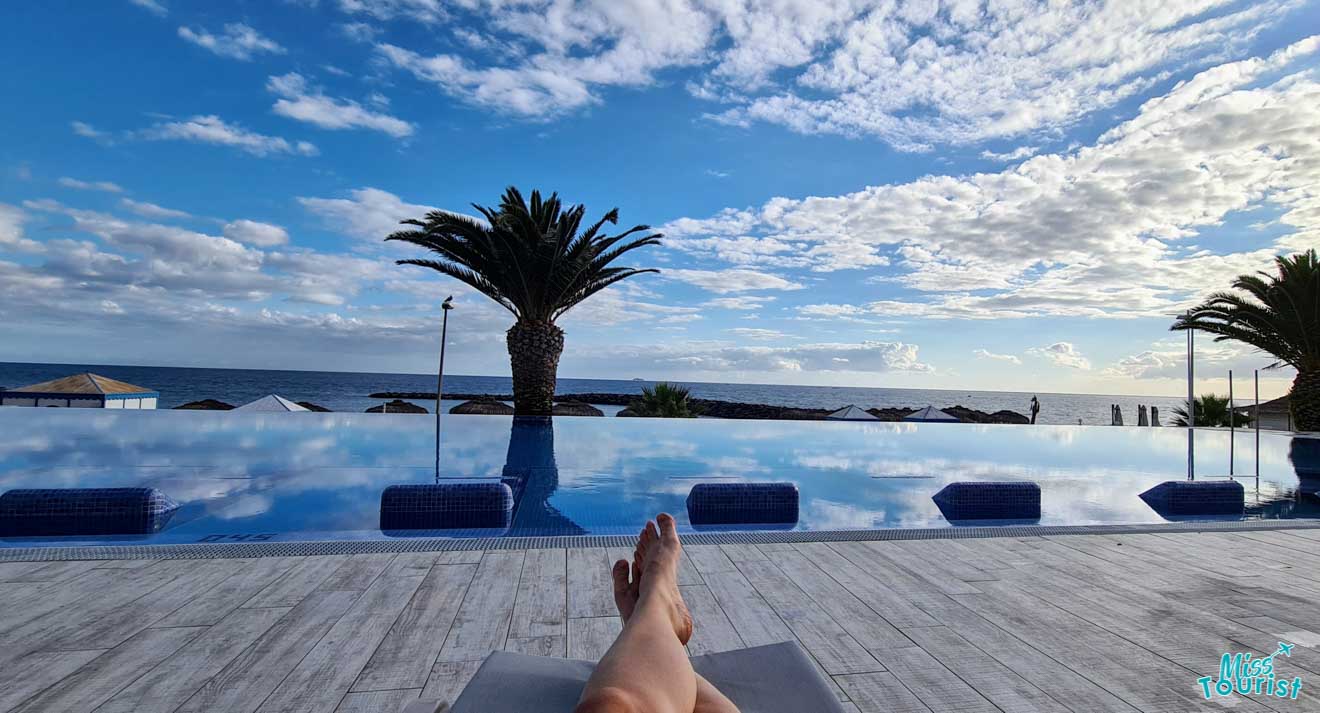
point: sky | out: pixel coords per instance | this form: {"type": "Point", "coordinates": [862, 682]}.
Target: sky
{"type": "Point", "coordinates": [928, 194]}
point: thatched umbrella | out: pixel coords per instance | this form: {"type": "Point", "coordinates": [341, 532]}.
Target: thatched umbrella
{"type": "Point", "coordinates": [205, 405]}
{"type": "Point", "coordinates": [484, 407]}
{"type": "Point", "coordinates": [397, 406]}
{"type": "Point", "coordinates": [574, 408]}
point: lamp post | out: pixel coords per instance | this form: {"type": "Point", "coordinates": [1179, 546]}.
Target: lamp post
{"type": "Point", "coordinates": [445, 306]}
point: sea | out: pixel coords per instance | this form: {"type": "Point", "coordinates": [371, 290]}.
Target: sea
{"type": "Point", "coordinates": [349, 391]}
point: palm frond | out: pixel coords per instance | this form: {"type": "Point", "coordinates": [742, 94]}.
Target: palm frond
{"type": "Point", "coordinates": [531, 255]}
{"type": "Point", "coordinates": [1279, 314]}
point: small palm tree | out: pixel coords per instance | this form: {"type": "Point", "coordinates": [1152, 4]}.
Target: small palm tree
{"type": "Point", "coordinates": [1211, 411]}
{"type": "Point", "coordinates": [664, 401]}
{"type": "Point", "coordinates": [1279, 315]}
{"type": "Point", "coordinates": [532, 260]}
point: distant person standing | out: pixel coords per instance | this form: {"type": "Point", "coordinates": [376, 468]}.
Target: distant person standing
{"type": "Point", "coordinates": [1035, 409]}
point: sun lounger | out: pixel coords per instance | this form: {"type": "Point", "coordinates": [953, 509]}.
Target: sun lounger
{"type": "Point", "coordinates": [778, 678]}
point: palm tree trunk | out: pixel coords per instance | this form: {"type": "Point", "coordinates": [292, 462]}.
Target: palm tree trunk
{"type": "Point", "coordinates": [534, 349]}
{"type": "Point", "coordinates": [1304, 401]}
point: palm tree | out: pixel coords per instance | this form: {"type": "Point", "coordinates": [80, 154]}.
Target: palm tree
{"type": "Point", "coordinates": [532, 260]}
{"type": "Point", "coordinates": [1279, 315]}
{"type": "Point", "coordinates": [1211, 411]}
{"type": "Point", "coordinates": [664, 401]}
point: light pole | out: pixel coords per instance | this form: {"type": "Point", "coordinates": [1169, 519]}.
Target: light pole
{"type": "Point", "coordinates": [445, 306]}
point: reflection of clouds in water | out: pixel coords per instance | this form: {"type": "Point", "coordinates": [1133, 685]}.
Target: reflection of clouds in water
{"type": "Point", "coordinates": [829, 515]}
{"type": "Point", "coordinates": [280, 472]}
{"type": "Point", "coordinates": [244, 506]}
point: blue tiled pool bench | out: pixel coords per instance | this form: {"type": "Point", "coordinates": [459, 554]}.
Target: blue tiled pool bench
{"type": "Point", "coordinates": [72, 512]}
{"type": "Point", "coordinates": [742, 503]}
{"type": "Point", "coordinates": [988, 500]}
{"type": "Point", "coordinates": [446, 506]}
{"type": "Point", "coordinates": [1184, 498]}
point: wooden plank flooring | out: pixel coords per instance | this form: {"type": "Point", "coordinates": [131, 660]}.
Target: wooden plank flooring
{"type": "Point", "coordinates": [1115, 623]}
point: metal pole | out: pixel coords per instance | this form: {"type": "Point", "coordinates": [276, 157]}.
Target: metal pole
{"type": "Point", "coordinates": [1258, 428]}
{"type": "Point", "coordinates": [440, 377]}
{"type": "Point", "coordinates": [1191, 377]}
{"type": "Point", "coordinates": [1191, 411]}
{"type": "Point", "coordinates": [1232, 425]}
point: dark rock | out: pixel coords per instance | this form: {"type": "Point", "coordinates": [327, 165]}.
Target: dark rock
{"type": "Point", "coordinates": [729, 409]}
{"type": "Point", "coordinates": [627, 413]}
{"type": "Point", "coordinates": [313, 407]}
{"type": "Point", "coordinates": [205, 405]}
{"type": "Point", "coordinates": [486, 407]}
{"type": "Point", "coordinates": [397, 406]}
{"type": "Point", "coordinates": [574, 408]}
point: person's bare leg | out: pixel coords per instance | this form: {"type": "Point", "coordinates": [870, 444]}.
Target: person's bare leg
{"type": "Point", "coordinates": [709, 698]}
{"type": "Point", "coordinates": [646, 670]}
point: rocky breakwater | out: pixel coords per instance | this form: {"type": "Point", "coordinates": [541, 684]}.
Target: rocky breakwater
{"type": "Point", "coordinates": [732, 409]}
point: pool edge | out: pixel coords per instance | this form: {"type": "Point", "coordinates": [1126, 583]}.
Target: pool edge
{"type": "Point", "coordinates": [438, 544]}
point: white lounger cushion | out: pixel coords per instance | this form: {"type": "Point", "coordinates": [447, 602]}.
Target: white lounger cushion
{"type": "Point", "coordinates": [778, 678]}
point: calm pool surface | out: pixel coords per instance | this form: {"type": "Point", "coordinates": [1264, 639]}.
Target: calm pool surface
{"type": "Point", "coordinates": [320, 475]}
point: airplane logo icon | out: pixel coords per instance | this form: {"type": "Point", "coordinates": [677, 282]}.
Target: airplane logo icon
{"type": "Point", "coordinates": [1285, 649]}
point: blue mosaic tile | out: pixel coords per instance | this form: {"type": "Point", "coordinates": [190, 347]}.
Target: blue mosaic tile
{"type": "Point", "coordinates": [68, 512]}
{"type": "Point", "coordinates": [742, 503]}
{"type": "Point", "coordinates": [1196, 497]}
{"type": "Point", "coordinates": [981, 500]}
{"type": "Point", "coordinates": [446, 506]}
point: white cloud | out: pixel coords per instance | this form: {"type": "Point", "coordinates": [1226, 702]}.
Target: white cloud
{"type": "Point", "coordinates": [298, 101]}
{"type": "Point", "coordinates": [157, 271]}
{"type": "Point", "coordinates": [151, 210]}
{"type": "Point", "coordinates": [250, 232]}
{"type": "Point", "coordinates": [1100, 231]}
{"type": "Point", "coordinates": [359, 31]}
{"type": "Point", "coordinates": [212, 129]}
{"type": "Point", "coordinates": [152, 6]}
{"type": "Point", "coordinates": [745, 303]}
{"type": "Point", "coordinates": [1168, 360]}
{"type": "Point", "coordinates": [914, 73]}
{"type": "Point", "coordinates": [427, 11]}
{"type": "Point", "coordinates": [722, 358]}
{"type": "Point", "coordinates": [1062, 354]}
{"type": "Point", "coordinates": [1016, 154]}
{"type": "Point", "coordinates": [726, 281]}
{"type": "Point", "coordinates": [237, 41]}
{"type": "Point", "coordinates": [985, 354]}
{"type": "Point", "coordinates": [85, 130]}
{"type": "Point", "coordinates": [760, 334]}
{"type": "Point", "coordinates": [370, 213]}
{"type": "Point", "coordinates": [76, 184]}
{"type": "Point", "coordinates": [12, 219]}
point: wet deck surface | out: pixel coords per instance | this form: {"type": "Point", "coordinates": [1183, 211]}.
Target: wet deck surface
{"type": "Point", "coordinates": [1067, 623]}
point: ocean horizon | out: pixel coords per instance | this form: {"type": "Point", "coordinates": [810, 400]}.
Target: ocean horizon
{"type": "Point", "coordinates": [349, 391]}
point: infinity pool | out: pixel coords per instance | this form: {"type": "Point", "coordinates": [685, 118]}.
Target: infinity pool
{"type": "Point", "coordinates": [296, 476]}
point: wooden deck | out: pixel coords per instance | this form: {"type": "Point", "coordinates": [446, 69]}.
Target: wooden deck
{"type": "Point", "coordinates": [1072, 623]}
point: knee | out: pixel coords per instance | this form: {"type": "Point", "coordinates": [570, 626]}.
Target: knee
{"type": "Point", "coordinates": [607, 700]}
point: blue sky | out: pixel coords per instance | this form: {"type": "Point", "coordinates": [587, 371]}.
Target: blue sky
{"type": "Point", "coordinates": [919, 194]}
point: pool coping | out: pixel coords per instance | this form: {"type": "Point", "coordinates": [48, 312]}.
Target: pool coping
{"type": "Point", "coordinates": [449, 544]}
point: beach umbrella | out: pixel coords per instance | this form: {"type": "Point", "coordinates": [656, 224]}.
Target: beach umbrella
{"type": "Point", "coordinates": [930, 414]}
{"type": "Point", "coordinates": [850, 413]}
{"type": "Point", "coordinates": [271, 403]}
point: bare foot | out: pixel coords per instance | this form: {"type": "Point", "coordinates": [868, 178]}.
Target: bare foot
{"type": "Point", "coordinates": [625, 592]}
{"type": "Point", "coordinates": [656, 565]}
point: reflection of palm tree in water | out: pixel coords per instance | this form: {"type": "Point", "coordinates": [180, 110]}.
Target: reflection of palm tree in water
{"type": "Point", "coordinates": [530, 470]}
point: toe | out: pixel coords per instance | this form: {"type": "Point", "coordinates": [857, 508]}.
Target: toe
{"type": "Point", "coordinates": [668, 528]}
{"type": "Point", "coordinates": [620, 574]}
{"type": "Point", "coordinates": [650, 534]}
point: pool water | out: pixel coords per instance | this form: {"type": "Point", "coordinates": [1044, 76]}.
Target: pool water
{"type": "Point", "coordinates": [241, 476]}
